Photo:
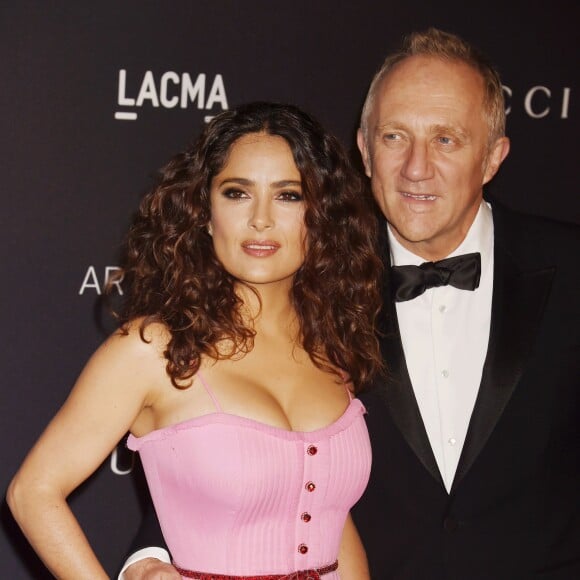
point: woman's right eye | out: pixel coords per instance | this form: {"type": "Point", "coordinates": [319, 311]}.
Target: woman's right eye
{"type": "Point", "coordinates": [233, 193]}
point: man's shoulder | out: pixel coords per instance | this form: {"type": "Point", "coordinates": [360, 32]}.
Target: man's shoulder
{"type": "Point", "coordinates": [532, 224]}
{"type": "Point", "coordinates": [535, 237]}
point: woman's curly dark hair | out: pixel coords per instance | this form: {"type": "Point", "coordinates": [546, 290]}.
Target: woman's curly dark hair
{"type": "Point", "coordinates": [173, 276]}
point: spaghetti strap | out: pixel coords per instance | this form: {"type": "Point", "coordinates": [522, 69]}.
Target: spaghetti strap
{"type": "Point", "coordinates": [209, 392]}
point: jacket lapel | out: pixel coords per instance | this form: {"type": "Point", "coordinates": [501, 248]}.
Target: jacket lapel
{"type": "Point", "coordinates": [397, 390]}
{"type": "Point", "coordinates": [518, 303]}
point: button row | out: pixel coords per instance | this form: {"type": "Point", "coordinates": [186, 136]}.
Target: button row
{"type": "Point", "coordinates": [310, 487]}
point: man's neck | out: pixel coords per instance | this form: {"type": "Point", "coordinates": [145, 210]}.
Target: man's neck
{"type": "Point", "coordinates": [478, 238]}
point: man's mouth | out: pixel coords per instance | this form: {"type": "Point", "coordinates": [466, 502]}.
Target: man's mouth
{"type": "Point", "coordinates": [419, 197]}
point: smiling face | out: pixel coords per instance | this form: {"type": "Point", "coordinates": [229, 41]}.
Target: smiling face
{"type": "Point", "coordinates": [428, 153]}
{"type": "Point", "coordinates": [257, 212]}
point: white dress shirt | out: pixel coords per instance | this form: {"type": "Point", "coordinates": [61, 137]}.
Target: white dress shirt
{"type": "Point", "coordinates": [445, 333]}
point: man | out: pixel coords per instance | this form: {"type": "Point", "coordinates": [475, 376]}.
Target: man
{"type": "Point", "coordinates": [475, 429]}
{"type": "Point", "coordinates": [475, 433]}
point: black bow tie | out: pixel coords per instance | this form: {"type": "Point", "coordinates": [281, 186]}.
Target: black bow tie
{"type": "Point", "coordinates": [462, 272]}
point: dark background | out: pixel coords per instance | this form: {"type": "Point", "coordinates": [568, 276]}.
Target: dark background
{"type": "Point", "coordinates": [72, 174]}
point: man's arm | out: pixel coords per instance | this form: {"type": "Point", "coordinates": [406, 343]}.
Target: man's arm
{"type": "Point", "coordinates": [148, 563]}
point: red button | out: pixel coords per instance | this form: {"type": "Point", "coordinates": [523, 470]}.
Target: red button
{"type": "Point", "coordinates": [303, 548]}
{"type": "Point", "coordinates": [310, 486]}
{"type": "Point", "coordinates": [312, 450]}
{"type": "Point", "coordinates": [306, 517]}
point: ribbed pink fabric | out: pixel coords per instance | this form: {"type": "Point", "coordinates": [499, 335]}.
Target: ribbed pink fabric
{"type": "Point", "coordinates": [230, 492]}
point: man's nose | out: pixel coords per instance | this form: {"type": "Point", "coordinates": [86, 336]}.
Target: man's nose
{"type": "Point", "coordinates": [417, 165]}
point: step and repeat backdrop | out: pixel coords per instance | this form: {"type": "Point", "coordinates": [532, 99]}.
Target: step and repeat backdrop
{"type": "Point", "coordinates": [95, 97]}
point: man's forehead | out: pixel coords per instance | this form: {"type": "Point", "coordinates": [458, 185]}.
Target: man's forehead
{"type": "Point", "coordinates": [431, 77]}
{"type": "Point", "coordinates": [430, 65]}
{"type": "Point", "coordinates": [416, 93]}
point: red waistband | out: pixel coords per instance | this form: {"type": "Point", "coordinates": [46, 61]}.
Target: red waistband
{"type": "Point", "coordinates": [313, 574]}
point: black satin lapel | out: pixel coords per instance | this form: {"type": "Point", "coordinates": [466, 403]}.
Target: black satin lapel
{"type": "Point", "coordinates": [519, 299]}
{"type": "Point", "coordinates": [398, 391]}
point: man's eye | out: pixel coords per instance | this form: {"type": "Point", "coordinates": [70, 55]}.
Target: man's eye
{"type": "Point", "coordinates": [391, 136]}
{"type": "Point", "coordinates": [445, 140]}
{"type": "Point", "coordinates": [290, 196]}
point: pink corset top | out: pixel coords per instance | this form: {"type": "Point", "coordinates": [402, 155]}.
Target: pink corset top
{"type": "Point", "coordinates": [236, 496]}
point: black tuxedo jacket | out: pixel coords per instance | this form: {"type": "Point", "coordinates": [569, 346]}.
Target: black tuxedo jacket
{"type": "Point", "coordinates": [513, 510]}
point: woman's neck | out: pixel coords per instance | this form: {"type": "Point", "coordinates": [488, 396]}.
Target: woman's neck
{"type": "Point", "coordinates": [269, 310]}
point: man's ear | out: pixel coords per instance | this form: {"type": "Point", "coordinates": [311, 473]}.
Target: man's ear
{"type": "Point", "coordinates": [497, 153]}
{"type": "Point", "coordinates": [364, 151]}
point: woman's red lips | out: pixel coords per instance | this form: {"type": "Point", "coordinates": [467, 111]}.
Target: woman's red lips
{"type": "Point", "coordinates": [262, 248]}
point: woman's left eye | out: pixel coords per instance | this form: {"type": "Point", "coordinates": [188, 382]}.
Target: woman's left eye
{"type": "Point", "coordinates": [290, 196]}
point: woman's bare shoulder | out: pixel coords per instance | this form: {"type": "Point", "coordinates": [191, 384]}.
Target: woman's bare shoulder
{"type": "Point", "coordinates": [134, 349]}
{"type": "Point", "coordinates": [141, 337]}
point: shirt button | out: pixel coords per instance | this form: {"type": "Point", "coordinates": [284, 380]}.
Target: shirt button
{"type": "Point", "coordinates": [303, 548]}
{"type": "Point", "coordinates": [310, 486]}
{"type": "Point", "coordinates": [442, 308]}
{"type": "Point", "coordinates": [312, 450]}
{"type": "Point", "coordinates": [306, 517]}
{"type": "Point", "coordinates": [444, 373]}
{"type": "Point", "coordinates": [452, 441]}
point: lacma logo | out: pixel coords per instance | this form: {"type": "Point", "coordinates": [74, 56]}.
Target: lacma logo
{"type": "Point", "coordinates": [171, 90]}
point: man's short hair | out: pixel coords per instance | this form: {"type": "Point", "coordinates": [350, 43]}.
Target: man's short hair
{"type": "Point", "coordinates": [443, 45]}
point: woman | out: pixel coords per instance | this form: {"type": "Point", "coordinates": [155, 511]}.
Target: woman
{"type": "Point", "coordinates": [248, 323]}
